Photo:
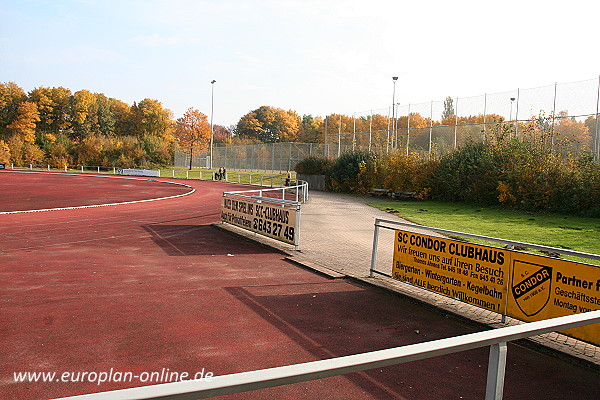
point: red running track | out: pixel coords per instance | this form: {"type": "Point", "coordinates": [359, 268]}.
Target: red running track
{"type": "Point", "coordinates": [42, 190]}
{"type": "Point", "coordinates": [142, 287]}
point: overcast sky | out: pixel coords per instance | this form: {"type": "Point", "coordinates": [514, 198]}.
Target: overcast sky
{"type": "Point", "coordinates": [315, 57]}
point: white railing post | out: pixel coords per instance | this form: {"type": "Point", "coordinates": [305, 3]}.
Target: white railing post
{"type": "Point", "coordinates": [48, 167]}
{"type": "Point", "coordinates": [374, 251]}
{"type": "Point", "coordinates": [82, 169]}
{"type": "Point", "coordinates": [496, 368]}
{"type": "Point", "coordinates": [200, 175]}
{"type": "Point", "coordinates": [187, 174]}
{"type": "Point", "coordinates": [173, 173]}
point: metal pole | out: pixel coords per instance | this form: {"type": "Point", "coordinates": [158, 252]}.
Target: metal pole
{"type": "Point", "coordinates": [408, 130]}
{"type": "Point", "coordinates": [455, 121]}
{"type": "Point", "coordinates": [340, 137]}
{"type": "Point", "coordinates": [484, 115]}
{"type": "Point", "coordinates": [374, 251]}
{"type": "Point", "coordinates": [353, 131]}
{"type": "Point", "coordinates": [553, 117]}
{"type": "Point", "coordinates": [496, 369]}
{"type": "Point", "coordinates": [394, 79]}
{"type": "Point", "coordinates": [597, 133]}
{"type": "Point", "coordinates": [297, 230]}
{"type": "Point", "coordinates": [370, 129]}
{"type": "Point", "coordinates": [517, 113]}
{"type": "Point", "coordinates": [212, 91]}
{"type": "Point", "coordinates": [430, 126]}
{"type": "Point", "coordinates": [326, 148]}
{"type": "Point", "coordinates": [387, 143]}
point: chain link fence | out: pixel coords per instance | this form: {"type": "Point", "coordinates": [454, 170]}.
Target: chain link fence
{"type": "Point", "coordinates": [256, 157]}
{"type": "Point", "coordinates": [569, 113]}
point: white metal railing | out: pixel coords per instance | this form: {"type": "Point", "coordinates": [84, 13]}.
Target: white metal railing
{"type": "Point", "coordinates": [246, 381]}
{"type": "Point", "coordinates": [298, 188]}
{"type": "Point", "coordinates": [383, 223]}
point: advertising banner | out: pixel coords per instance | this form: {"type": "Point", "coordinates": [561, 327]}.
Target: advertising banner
{"type": "Point", "coordinates": [139, 172]}
{"type": "Point", "coordinates": [270, 220]}
{"type": "Point", "coordinates": [524, 286]}
{"type": "Point", "coordinates": [545, 287]}
{"type": "Point", "coordinates": [471, 273]}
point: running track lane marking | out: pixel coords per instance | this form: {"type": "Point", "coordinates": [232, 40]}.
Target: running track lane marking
{"type": "Point", "coordinates": [106, 204]}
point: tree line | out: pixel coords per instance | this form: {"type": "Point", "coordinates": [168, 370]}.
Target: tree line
{"type": "Point", "coordinates": [60, 127]}
{"type": "Point", "coordinates": [56, 126]}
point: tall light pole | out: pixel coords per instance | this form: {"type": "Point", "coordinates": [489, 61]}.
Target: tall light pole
{"type": "Point", "coordinates": [212, 106]}
{"type": "Point", "coordinates": [512, 99]}
{"type": "Point", "coordinates": [394, 79]}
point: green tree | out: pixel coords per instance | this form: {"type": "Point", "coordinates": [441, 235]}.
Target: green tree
{"type": "Point", "coordinates": [448, 108]}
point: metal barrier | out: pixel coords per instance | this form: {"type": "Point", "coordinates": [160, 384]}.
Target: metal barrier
{"type": "Point", "coordinates": [277, 216]}
{"type": "Point", "coordinates": [246, 381]}
{"type": "Point", "coordinates": [299, 189]}
{"type": "Point", "coordinates": [380, 223]}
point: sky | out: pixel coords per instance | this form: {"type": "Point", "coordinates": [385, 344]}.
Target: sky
{"type": "Point", "coordinates": [314, 57]}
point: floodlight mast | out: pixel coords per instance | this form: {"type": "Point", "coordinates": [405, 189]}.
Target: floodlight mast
{"type": "Point", "coordinates": [212, 105]}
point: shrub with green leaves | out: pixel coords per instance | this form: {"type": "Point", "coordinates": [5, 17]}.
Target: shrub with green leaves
{"type": "Point", "coordinates": [345, 173]}
{"type": "Point", "coordinates": [314, 165]}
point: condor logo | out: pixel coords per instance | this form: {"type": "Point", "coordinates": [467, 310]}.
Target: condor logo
{"type": "Point", "coordinates": [531, 284]}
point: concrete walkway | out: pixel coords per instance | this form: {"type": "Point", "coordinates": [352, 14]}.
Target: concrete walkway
{"type": "Point", "coordinates": [336, 237]}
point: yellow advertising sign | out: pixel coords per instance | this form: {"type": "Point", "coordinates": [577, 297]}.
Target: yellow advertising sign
{"type": "Point", "coordinates": [269, 220]}
{"type": "Point", "coordinates": [471, 273]}
{"type": "Point", "coordinates": [543, 287]}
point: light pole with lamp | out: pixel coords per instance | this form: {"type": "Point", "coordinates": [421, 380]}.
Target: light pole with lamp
{"type": "Point", "coordinates": [394, 78]}
{"type": "Point", "coordinates": [512, 99]}
{"type": "Point", "coordinates": [212, 104]}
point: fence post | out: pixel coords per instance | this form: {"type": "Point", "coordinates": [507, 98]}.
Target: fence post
{"type": "Point", "coordinates": [114, 170]}
{"type": "Point", "coordinates": [187, 174]}
{"type": "Point", "coordinates": [98, 169]}
{"type": "Point", "coordinates": [496, 368]}
{"type": "Point", "coordinates": [200, 174]}
{"type": "Point", "coordinates": [30, 166]}
{"type": "Point", "coordinates": [48, 167]}
{"type": "Point", "coordinates": [65, 168]}
{"type": "Point", "coordinates": [173, 173]}
{"type": "Point", "coordinates": [374, 251]}
{"type": "Point", "coordinates": [597, 133]}
{"type": "Point", "coordinates": [82, 168]}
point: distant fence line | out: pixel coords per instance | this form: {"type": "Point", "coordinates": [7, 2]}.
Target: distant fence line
{"type": "Point", "coordinates": [575, 101]}
{"type": "Point", "coordinates": [258, 157]}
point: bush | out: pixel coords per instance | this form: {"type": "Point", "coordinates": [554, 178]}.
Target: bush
{"type": "Point", "coordinates": [468, 174]}
{"type": "Point", "coordinates": [314, 165]}
{"type": "Point", "coordinates": [351, 171]}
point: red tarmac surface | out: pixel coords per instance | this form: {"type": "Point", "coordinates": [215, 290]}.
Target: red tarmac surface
{"type": "Point", "coordinates": [142, 287]}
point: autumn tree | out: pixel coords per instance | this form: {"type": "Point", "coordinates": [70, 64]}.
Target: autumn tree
{"type": "Point", "coordinates": [26, 118]}
{"type": "Point", "coordinates": [4, 152]}
{"type": "Point", "coordinates": [269, 124]}
{"type": "Point", "coordinates": [11, 95]}
{"type": "Point", "coordinates": [311, 129]}
{"type": "Point", "coordinates": [192, 132]}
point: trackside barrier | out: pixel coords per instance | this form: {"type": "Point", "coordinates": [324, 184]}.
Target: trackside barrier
{"type": "Point", "coordinates": [496, 339]}
{"type": "Point", "coordinates": [519, 284]}
{"type": "Point", "coordinates": [268, 212]}
{"type": "Point", "coordinates": [232, 177]}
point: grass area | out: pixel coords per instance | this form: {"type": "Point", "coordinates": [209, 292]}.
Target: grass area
{"type": "Point", "coordinates": [555, 230]}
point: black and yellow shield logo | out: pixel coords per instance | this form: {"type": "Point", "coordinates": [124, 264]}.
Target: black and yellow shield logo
{"type": "Point", "coordinates": [531, 286]}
